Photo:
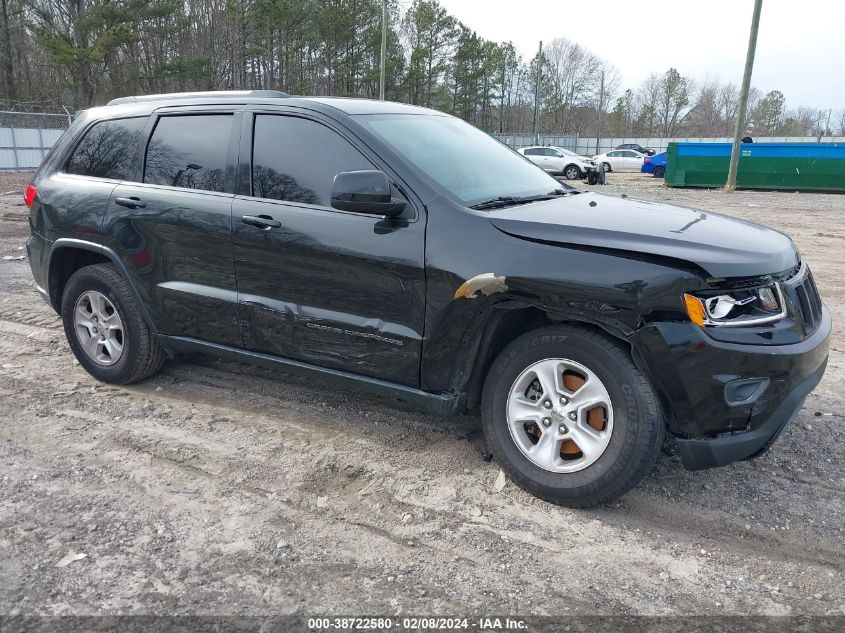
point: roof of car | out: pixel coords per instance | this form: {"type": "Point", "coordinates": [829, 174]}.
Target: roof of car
{"type": "Point", "coordinates": [347, 105]}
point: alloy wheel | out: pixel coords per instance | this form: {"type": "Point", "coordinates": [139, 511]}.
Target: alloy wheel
{"type": "Point", "coordinates": [560, 415]}
{"type": "Point", "coordinates": [98, 328]}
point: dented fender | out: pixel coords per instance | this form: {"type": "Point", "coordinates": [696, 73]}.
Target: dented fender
{"type": "Point", "coordinates": [470, 289]}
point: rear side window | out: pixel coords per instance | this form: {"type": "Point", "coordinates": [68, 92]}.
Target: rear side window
{"type": "Point", "coordinates": [296, 160]}
{"type": "Point", "coordinates": [189, 151]}
{"type": "Point", "coordinates": [107, 149]}
{"type": "Point", "coordinates": [534, 152]}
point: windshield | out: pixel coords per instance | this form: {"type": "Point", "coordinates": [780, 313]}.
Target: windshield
{"type": "Point", "coordinates": [470, 165]}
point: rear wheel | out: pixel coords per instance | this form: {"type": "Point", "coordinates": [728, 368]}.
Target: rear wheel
{"type": "Point", "coordinates": [571, 172]}
{"type": "Point", "coordinates": [106, 329]}
{"type": "Point", "coordinates": [569, 417]}
{"type": "Point", "coordinates": [659, 172]}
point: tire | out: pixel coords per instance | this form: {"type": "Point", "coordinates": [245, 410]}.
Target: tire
{"type": "Point", "coordinates": [659, 172]}
{"type": "Point", "coordinates": [139, 357]}
{"type": "Point", "coordinates": [634, 427]}
{"type": "Point", "coordinates": [571, 172]}
{"type": "Point", "coordinates": [607, 168]}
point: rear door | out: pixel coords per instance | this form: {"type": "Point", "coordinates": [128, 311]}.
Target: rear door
{"type": "Point", "coordinates": [332, 288]}
{"type": "Point", "coordinates": [535, 155]}
{"type": "Point", "coordinates": [172, 224]}
{"type": "Point", "coordinates": [616, 160]}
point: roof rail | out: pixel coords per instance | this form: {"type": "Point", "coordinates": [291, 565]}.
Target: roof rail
{"type": "Point", "coordinates": [211, 94]}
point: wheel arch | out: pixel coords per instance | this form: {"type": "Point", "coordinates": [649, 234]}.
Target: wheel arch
{"type": "Point", "coordinates": [67, 255]}
{"type": "Point", "coordinates": [504, 324]}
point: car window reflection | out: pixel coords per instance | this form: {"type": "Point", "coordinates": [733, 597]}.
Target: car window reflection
{"type": "Point", "coordinates": [189, 152]}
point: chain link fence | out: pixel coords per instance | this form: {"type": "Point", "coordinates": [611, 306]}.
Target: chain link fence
{"type": "Point", "coordinates": [516, 141]}
{"type": "Point", "coordinates": [590, 146]}
{"type": "Point", "coordinates": [26, 137]}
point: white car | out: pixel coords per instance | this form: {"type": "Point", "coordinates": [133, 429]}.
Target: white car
{"type": "Point", "coordinates": [557, 160]}
{"type": "Point", "coordinates": [621, 160]}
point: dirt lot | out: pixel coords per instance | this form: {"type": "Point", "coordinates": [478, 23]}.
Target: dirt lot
{"type": "Point", "coordinates": [218, 488]}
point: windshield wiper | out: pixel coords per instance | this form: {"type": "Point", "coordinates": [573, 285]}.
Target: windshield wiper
{"type": "Point", "coordinates": [509, 201]}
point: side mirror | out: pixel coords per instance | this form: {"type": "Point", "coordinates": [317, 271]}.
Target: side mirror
{"type": "Point", "coordinates": [365, 191]}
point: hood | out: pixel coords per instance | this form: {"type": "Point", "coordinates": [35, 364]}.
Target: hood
{"type": "Point", "coordinates": [722, 246]}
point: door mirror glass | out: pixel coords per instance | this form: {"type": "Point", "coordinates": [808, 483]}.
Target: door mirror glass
{"type": "Point", "coordinates": [365, 191]}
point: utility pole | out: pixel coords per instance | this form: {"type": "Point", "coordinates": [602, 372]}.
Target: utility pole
{"type": "Point", "coordinates": [730, 185]}
{"type": "Point", "coordinates": [602, 105]}
{"type": "Point", "coordinates": [383, 49]}
{"type": "Point", "coordinates": [537, 95]}
{"type": "Point", "coordinates": [823, 130]}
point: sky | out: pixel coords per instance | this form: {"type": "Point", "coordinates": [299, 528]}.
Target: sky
{"type": "Point", "coordinates": [800, 47]}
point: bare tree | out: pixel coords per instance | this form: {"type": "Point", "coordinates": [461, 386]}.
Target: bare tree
{"type": "Point", "coordinates": [673, 103]}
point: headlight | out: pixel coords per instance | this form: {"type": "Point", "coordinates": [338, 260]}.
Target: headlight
{"type": "Point", "coordinates": [734, 308]}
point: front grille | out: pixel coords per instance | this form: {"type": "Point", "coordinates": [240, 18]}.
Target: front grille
{"type": "Point", "coordinates": [802, 288]}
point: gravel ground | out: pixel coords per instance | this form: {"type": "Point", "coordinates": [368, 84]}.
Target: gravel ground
{"type": "Point", "coordinates": [13, 181]}
{"type": "Point", "coordinates": [217, 488]}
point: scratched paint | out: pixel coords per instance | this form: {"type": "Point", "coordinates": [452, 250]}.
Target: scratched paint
{"type": "Point", "coordinates": [486, 283]}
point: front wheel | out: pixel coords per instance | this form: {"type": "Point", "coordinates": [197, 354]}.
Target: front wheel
{"type": "Point", "coordinates": [607, 167]}
{"type": "Point", "coordinates": [572, 172]}
{"type": "Point", "coordinates": [569, 417]}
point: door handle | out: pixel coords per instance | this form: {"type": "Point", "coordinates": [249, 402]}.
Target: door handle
{"type": "Point", "coordinates": [130, 203]}
{"type": "Point", "coordinates": [261, 221]}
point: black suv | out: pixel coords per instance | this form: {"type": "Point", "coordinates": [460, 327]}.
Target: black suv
{"type": "Point", "coordinates": [404, 251]}
{"type": "Point", "coordinates": [637, 148]}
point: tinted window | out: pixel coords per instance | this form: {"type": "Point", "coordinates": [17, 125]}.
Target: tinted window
{"type": "Point", "coordinates": [468, 164]}
{"type": "Point", "coordinates": [107, 149]}
{"type": "Point", "coordinates": [189, 151]}
{"type": "Point", "coordinates": [551, 152]}
{"type": "Point", "coordinates": [534, 152]}
{"type": "Point", "coordinates": [296, 159]}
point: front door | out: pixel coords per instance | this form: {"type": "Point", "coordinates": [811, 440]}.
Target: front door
{"type": "Point", "coordinates": [173, 230]}
{"type": "Point", "coordinates": [331, 288]}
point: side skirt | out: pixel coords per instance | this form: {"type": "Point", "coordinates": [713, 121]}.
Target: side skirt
{"type": "Point", "coordinates": [443, 404]}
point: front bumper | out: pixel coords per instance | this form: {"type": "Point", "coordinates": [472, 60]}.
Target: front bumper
{"type": "Point", "coordinates": [698, 454]}
{"type": "Point", "coordinates": [713, 421]}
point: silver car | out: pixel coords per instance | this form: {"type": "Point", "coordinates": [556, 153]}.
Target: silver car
{"type": "Point", "coordinates": [621, 160]}
{"type": "Point", "coordinates": [557, 160]}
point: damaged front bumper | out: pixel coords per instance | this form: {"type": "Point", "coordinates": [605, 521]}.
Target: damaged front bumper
{"type": "Point", "coordinates": [729, 402]}
{"type": "Point", "coordinates": [702, 453]}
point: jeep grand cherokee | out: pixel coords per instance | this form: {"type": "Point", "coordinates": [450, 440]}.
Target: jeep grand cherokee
{"type": "Point", "coordinates": [403, 251]}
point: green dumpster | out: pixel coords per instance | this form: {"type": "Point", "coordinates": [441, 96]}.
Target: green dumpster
{"type": "Point", "coordinates": [790, 166]}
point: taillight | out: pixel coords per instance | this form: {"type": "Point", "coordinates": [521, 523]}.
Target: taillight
{"type": "Point", "coordinates": [29, 195]}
